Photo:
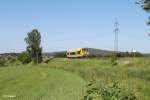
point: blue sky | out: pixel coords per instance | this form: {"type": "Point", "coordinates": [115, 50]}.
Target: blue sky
{"type": "Point", "coordinates": [73, 23]}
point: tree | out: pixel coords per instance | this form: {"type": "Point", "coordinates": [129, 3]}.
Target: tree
{"type": "Point", "coordinates": [34, 48]}
{"type": "Point", "coordinates": [145, 4]}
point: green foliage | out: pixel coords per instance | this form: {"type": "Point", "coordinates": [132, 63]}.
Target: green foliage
{"type": "Point", "coordinates": [47, 60]}
{"type": "Point", "coordinates": [6, 60]}
{"type": "Point", "coordinates": [11, 59]}
{"type": "Point", "coordinates": [114, 92]}
{"type": "Point", "coordinates": [24, 57]}
{"type": "Point", "coordinates": [2, 61]}
{"type": "Point", "coordinates": [145, 4]}
{"type": "Point", "coordinates": [129, 54]}
{"type": "Point", "coordinates": [114, 59]}
{"type": "Point", "coordinates": [33, 41]}
{"type": "Point", "coordinates": [143, 74]}
{"type": "Point", "coordinates": [132, 74]}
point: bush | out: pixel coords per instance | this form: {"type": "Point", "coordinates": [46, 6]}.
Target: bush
{"type": "Point", "coordinates": [2, 61]}
{"type": "Point", "coordinates": [47, 60]}
{"type": "Point", "coordinates": [25, 58]}
{"type": "Point", "coordinates": [114, 92]}
{"type": "Point", "coordinates": [11, 59]}
{"type": "Point", "coordinates": [114, 59]}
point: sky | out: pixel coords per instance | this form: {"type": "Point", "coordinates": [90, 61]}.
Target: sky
{"type": "Point", "coordinates": [67, 24]}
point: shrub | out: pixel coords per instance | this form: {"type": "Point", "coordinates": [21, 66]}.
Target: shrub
{"type": "Point", "coordinates": [46, 59]}
{"type": "Point", "coordinates": [2, 61]}
{"type": "Point", "coordinates": [11, 59]}
{"type": "Point", "coordinates": [24, 57]}
{"type": "Point", "coordinates": [114, 92]}
{"type": "Point", "coordinates": [114, 59]}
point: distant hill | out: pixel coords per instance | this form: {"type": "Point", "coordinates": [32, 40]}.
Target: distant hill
{"type": "Point", "coordinates": [93, 52]}
{"type": "Point", "coordinates": [9, 54]}
{"type": "Point", "coordinates": [99, 52]}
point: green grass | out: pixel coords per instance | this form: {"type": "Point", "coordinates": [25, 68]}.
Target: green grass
{"type": "Point", "coordinates": [66, 79]}
{"type": "Point", "coordinates": [36, 83]}
{"type": "Point", "coordinates": [133, 74]}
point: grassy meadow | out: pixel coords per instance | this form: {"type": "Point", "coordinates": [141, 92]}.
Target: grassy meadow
{"type": "Point", "coordinates": [67, 79]}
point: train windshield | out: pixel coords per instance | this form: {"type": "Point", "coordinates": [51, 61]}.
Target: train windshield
{"type": "Point", "coordinates": [85, 50]}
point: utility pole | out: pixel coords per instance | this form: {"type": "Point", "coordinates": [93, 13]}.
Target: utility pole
{"type": "Point", "coordinates": [116, 31]}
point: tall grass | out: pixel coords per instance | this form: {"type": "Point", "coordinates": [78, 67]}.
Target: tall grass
{"type": "Point", "coordinates": [133, 73]}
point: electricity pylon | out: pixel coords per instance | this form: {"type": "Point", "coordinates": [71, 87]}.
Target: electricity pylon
{"type": "Point", "coordinates": [116, 31]}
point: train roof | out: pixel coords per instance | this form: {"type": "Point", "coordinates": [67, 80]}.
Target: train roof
{"type": "Point", "coordinates": [75, 49]}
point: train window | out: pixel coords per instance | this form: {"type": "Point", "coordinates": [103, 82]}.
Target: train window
{"type": "Point", "coordinates": [78, 52]}
{"type": "Point", "coordinates": [72, 53]}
